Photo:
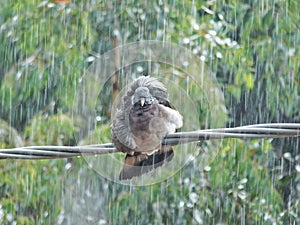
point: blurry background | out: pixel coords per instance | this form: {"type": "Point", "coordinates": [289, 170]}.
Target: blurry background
{"type": "Point", "coordinates": [46, 47]}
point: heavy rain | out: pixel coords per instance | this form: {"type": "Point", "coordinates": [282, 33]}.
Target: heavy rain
{"type": "Point", "coordinates": [65, 68]}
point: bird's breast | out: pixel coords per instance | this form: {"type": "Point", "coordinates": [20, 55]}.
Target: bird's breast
{"type": "Point", "coordinates": [147, 127]}
{"type": "Point", "coordinates": [140, 117]}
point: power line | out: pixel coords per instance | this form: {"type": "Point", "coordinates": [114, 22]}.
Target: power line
{"type": "Point", "coordinates": [270, 130]}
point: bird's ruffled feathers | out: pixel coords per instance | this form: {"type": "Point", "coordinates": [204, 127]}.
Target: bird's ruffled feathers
{"type": "Point", "coordinates": [138, 162]}
{"type": "Point", "coordinates": [120, 126]}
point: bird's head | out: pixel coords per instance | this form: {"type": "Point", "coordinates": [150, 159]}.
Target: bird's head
{"type": "Point", "coordinates": [142, 96]}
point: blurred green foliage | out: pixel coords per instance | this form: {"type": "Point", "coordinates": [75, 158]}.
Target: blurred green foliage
{"type": "Point", "coordinates": [57, 129]}
{"type": "Point", "coordinates": [46, 49]}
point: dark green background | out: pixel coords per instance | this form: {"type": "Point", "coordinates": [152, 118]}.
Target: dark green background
{"type": "Point", "coordinates": [251, 46]}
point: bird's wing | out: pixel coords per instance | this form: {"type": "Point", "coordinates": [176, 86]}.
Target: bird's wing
{"type": "Point", "coordinates": [120, 132]}
{"type": "Point", "coordinates": [172, 117]}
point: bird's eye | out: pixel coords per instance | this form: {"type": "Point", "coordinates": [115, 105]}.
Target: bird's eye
{"type": "Point", "coordinates": [150, 100]}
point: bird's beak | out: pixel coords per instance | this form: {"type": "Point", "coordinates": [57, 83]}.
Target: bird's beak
{"type": "Point", "coordinates": [142, 101]}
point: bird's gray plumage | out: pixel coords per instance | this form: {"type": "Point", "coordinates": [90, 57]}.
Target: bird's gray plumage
{"type": "Point", "coordinates": [142, 93]}
{"type": "Point", "coordinates": [142, 120]}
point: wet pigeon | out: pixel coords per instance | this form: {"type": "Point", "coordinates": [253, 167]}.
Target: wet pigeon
{"type": "Point", "coordinates": [142, 120]}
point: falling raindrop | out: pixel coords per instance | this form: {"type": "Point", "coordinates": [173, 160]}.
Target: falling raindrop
{"type": "Point", "coordinates": [46, 50]}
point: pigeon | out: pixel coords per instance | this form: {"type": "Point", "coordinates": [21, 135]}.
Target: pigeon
{"type": "Point", "coordinates": [143, 118]}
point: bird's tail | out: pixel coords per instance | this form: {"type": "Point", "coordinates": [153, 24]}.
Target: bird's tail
{"type": "Point", "coordinates": [138, 164]}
